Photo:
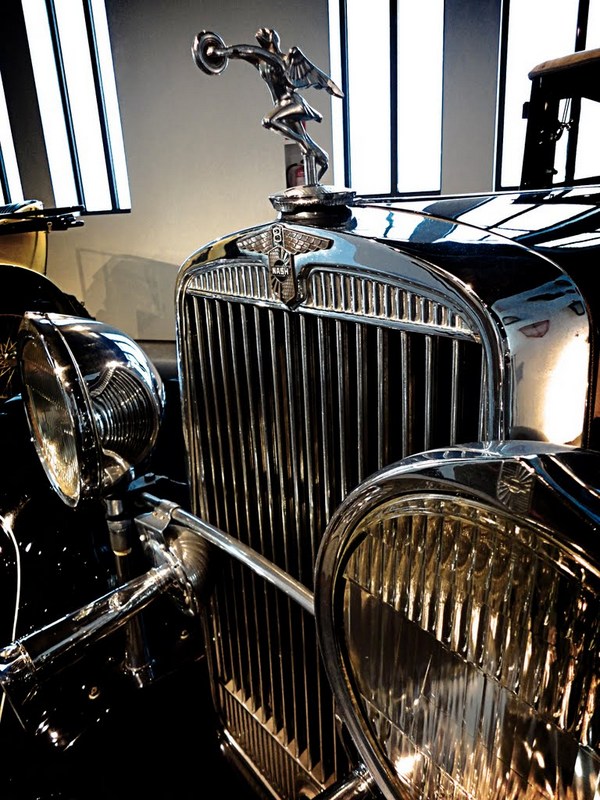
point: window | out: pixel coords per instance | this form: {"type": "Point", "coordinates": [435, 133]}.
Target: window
{"type": "Point", "coordinates": [388, 134]}
{"type": "Point", "coordinates": [561, 27]}
{"type": "Point", "coordinates": [58, 56]}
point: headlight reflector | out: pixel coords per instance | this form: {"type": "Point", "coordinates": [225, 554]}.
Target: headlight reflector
{"type": "Point", "coordinates": [93, 399]}
{"type": "Point", "coordinates": [461, 636]}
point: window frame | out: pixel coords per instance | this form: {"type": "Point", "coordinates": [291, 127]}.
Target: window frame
{"type": "Point", "coordinates": [23, 107]}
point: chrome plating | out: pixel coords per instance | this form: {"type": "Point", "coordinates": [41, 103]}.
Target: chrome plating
{"type": "Point", "coordinates": [178, 569]}
{"type": "Point", "coordinates": [261, 566]}
{"type": "Point", "coordinates": [285, 74]}
{"type": "Point", "coordinates": [113, 392]}
{"type": "Point", "coordinates": [555, 690]}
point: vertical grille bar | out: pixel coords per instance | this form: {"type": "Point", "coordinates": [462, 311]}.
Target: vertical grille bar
{"type": "Point", "coordinates": [428, 401]}
{"type": "Point", "coordinates": [344, 456]}
{"type": "Point", "coordinates": [383, 404]}
{"type": "Point", "coordinates": [454, 392]}
{"type": "Point", "coordinates": [406, 395]}
{"type": "Point", "coordinates": [325, 404]}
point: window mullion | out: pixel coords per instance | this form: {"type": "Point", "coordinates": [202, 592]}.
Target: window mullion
{"type": "Point", "coordinates": [393, 97]}
{"type": "Point", "coordinates": [343, 33]}
{"type": "Point", "coordinates": [100, 98]}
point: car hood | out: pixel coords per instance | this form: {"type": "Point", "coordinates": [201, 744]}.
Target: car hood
{"type": "Point", "coordinates": [562, 224]}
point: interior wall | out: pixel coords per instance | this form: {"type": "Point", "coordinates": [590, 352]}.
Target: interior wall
{"type": "Point", "coordinates": [471, 44]}
{"type": "Point", "coordinates": [200, 164]}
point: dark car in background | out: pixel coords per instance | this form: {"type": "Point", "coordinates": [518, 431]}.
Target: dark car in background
{"type": "Point", "coordinates": [365, 562]}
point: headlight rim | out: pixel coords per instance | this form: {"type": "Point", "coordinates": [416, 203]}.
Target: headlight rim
{"type": "Point", "coordinates": [60, 359]}
{"type": "Point", "coordinates": [419, 475]}
{"type": "Point", "coordinates": [110, 389]}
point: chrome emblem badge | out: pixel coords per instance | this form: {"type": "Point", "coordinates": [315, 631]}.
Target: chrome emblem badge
{"type": "Point", "coordinates": [515, 486]}
{"type": "Point", "coordinates": [280, 244]}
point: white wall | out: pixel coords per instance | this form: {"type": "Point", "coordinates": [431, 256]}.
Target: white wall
{"type": "Point", "coordinates": [200, 164]}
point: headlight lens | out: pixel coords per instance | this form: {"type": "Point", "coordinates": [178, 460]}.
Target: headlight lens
{"type": "Point", "coordinates": [461, 636]}
{"type": "Point", "coordinates": [94, 402]}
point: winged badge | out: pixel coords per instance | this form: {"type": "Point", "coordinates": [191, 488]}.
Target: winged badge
{"type": "Point", "coordinates": [281, 244]}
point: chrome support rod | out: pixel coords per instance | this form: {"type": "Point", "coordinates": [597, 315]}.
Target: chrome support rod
{"type": "Point", "coordinates": [65, 640]}
{"type": "Point", "coordinates": [120, 529]}
{"type": "Point", "coordinates": [240, 551]}
{"type": "Point", "coordinates": [359, 785]}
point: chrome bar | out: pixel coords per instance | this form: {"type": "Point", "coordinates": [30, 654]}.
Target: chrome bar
{"type": "Point", "coordinates": [342, 390]}
{"type": "Point", "coordinates": [382, 400]}
{"type": "Point", "coordinates": [120, 530]}
{"type": "Point", "coordinates": [309, 423]}
{"type": "Point", "coordinates": [325, 382]}
{"type": "Point", "coordinates": [361, 399]}
{"type": "Point", "coordinates": [359, 785]}
{"type": "Point", "coordinates": [406, 419]}
{"type": "Point", "coordinates": [454, 391]}
{"type": "Point", "coordinates": [64, 641]}
{"type": "Point", "coordinates": [240, 551]}
{"type": "Point", "coordinates": [428, 402]}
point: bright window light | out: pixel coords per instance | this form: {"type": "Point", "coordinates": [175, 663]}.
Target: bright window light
{"type": "Point", "coordinates": [593, 29]}
{"type": "Point", "coordinates": [8, 155]}
{"type": "Point", "coordinates": [420, 69]}
{"type": "Point", "coordinates": [369, 90]}
{"type": "Point", "coordinates": [394, 104]}
{"type": "Point", "coordinates": [74, 78]}
{"type": "Point", "coordinates": [587, 164]}
{"type": "Point", "coordinates": [554, 23]}
{"type": "Point", "coordinates": [112, 104]}
{"type": "Point", "coordinates": [337, 160]}
{"type": "Point", "coordinates": [84, 108]}
{"type": "Point", "coordinates": [50, 103]}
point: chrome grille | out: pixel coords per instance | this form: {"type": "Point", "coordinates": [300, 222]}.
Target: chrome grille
{"type": "Point", "coordinates": [287, 411]}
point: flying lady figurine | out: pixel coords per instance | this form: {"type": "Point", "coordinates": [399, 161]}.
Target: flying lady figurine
{"type": "Point", "coordinates": [285, 74]}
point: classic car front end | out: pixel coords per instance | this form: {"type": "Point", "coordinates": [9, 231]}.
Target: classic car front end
{"type": "Point", "coordinates": [388, 539]}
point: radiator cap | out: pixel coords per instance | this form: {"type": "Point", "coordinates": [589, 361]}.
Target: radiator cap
{"type": "Point", "coordinates": [317, 204]}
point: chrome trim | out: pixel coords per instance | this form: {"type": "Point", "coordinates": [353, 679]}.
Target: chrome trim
{"type": "Point", "coordinates": [179, 569]}
{"type": "Point", "coordinates": [246, 555]}
{"type": "Point", "coordinates": [274, 448]}
{"type": "Point", "coordinates": [286, 75]}
{"type": "Point", "coordinates": [107, 388]}
{"type": "Point", "coordinates": [25, 663]}
{"type": "Point", "coordinates": [542, 488]}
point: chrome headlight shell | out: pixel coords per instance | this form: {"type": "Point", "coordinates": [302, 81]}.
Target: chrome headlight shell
{"type": "Point", "coordinates": [458, 610]}
{"type": "Point", "coordinates": [94, 402]}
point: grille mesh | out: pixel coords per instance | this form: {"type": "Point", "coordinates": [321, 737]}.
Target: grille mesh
{"type": "Point", "coordinates": [287, 412]}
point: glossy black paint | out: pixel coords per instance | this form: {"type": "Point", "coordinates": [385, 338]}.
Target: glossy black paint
{"type": "Point", "coordinates": [503, 235]}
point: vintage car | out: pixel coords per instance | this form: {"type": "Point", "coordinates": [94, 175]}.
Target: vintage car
{"type": "Point", "coordinates": [350, 550]}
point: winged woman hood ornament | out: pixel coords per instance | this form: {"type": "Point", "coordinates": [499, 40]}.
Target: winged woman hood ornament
{"type": "Point", "coordinates": [286, 75]}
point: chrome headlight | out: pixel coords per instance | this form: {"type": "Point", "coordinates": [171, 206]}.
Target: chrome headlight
{"type": "Point", "coordinates": [458, 609]}
{"type": "Point", "coordinates": [93, 399]}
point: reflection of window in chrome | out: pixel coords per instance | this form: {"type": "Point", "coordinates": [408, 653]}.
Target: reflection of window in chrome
{"type": "Point", "coordinates": [542, 217]}
{"type": "Point", "coordinates": [561, 27]}
{"type": "Point", "coordinates": [71, 62]}
{"type": "Point", "coordinates": [388, 131]}
{"type": "Point", "coordinates": [579, 240]}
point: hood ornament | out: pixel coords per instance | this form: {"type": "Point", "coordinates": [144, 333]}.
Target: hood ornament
{"type": "Point", "coordinates": [286, 75]}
